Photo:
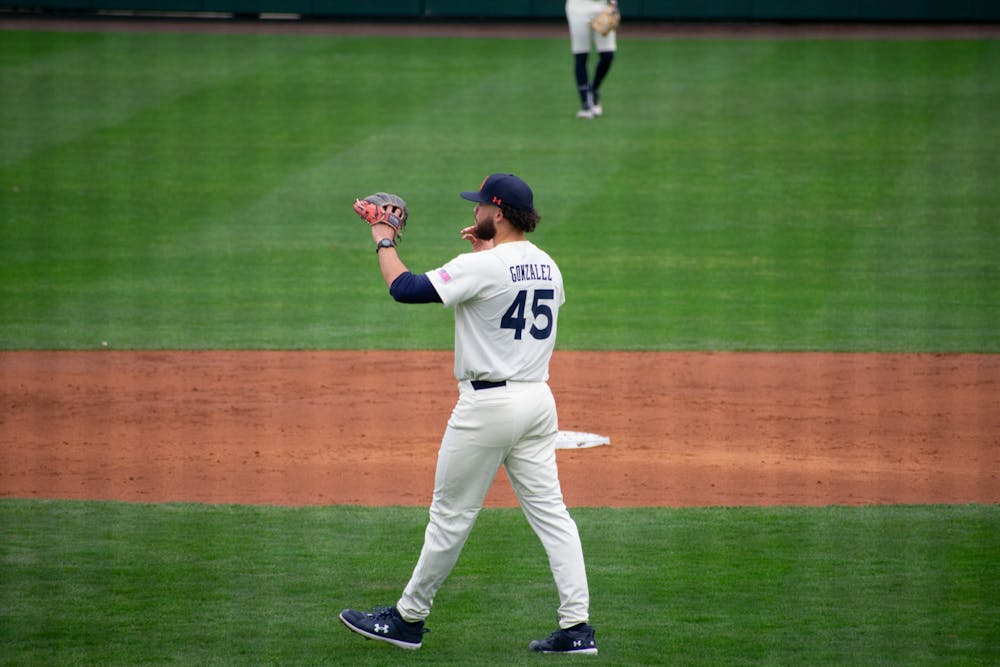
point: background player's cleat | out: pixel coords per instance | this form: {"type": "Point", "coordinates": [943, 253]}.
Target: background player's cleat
{"type": "Point", "coordinates": [584, 113]}
{"type": "Point", "coordinates": [594, 104]}
{"type": "Point", "coordinates": [578, 639]}
{"type": "Point", "coordinates": [384, 624]}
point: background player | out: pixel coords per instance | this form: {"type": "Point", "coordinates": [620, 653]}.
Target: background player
{"type": "Point", "coordinates": [579, 14]}
{"type": "Point", "coordinates": [506, 295]}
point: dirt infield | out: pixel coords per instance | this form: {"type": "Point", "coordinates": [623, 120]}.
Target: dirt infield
{"type": "Point", "coordinates": [313, 428]}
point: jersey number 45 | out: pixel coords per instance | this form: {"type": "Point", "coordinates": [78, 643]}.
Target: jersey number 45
{"type": "Point", "coordinates": [515, 317]}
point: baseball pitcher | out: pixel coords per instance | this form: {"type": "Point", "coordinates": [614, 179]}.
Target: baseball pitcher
{"type": "Point", "coordinates": [506, 295]}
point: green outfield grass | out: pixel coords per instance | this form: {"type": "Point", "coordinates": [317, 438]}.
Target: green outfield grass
{"type": "Point", "coordinates": [193, 191]}
{"type": "Point", "coordinates": [115, 583]}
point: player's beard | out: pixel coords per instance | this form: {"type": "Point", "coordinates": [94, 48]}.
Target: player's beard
{"type": "Point", "coordinates": [485, 229]}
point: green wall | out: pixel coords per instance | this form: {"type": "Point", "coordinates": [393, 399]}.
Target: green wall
{"type": "Point", "coordinates": [685, 10]}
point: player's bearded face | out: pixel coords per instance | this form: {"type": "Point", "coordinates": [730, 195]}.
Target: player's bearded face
{"type": "Point", "coordinates": [485, 229]}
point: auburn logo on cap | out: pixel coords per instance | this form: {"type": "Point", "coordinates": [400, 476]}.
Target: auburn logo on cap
{"type": "Point", "coordinates": [497, 200]}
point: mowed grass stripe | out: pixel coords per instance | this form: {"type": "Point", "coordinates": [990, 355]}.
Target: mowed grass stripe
{"type": "Point", "coordinates": [193, 191]}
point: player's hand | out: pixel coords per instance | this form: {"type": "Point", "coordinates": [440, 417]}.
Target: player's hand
{"type": "Point", "coordinates": [469, 234]}
{"type": "Point", "coordinates": [384, 212]}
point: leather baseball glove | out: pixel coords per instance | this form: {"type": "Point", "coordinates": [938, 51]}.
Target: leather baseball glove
{"type": "Point", "coordinates": [608, 19]}
{"type": "Point", "coordinates": [383, 208]}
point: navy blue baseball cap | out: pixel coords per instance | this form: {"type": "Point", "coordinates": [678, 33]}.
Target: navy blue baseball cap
{"type": "Point", "coordinates": [503, 189]}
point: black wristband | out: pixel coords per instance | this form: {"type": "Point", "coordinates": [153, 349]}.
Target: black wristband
{"type": "Point", "coordinates": [384, 243]}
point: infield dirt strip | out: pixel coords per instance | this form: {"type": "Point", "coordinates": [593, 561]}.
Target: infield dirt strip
{"type": "Point", "coordinates": [342, 427]}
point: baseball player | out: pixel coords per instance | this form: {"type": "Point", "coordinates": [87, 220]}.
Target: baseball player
{"type": "Point", "coordinates": [506, 294]}
{"type": "Point", "coordinates": [579, 15]}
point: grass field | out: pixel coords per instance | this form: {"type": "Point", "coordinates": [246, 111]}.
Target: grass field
{"type": "Point", "coordinates": [112, 583]}
{"type": "Point", "coordinates": [193, 192]}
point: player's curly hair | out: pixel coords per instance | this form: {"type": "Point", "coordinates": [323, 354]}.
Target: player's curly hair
{"type": "Point", "coordinates": [526, 221]}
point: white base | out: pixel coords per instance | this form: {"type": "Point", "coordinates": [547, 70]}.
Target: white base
{"type": "Point", "coordinates": [580, 440]}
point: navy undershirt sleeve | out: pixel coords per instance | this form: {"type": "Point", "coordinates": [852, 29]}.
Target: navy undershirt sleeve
{"type": "Point", "coordinates": [410, 288]}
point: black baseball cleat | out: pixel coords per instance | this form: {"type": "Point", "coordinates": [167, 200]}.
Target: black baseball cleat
{"type": "Point", "coordinates": [384, 624]}
{"type": "Point", "coordinates": [578, 640]}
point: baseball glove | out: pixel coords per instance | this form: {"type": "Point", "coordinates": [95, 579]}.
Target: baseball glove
{"type": "Point", "coordinates": [607, 20]}
{"type": "Point", "coordinates": [383, 208]}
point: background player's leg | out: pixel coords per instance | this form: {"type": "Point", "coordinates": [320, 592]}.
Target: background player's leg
{"type": "Point", "coordinates": [601, 71]}
{"type": "Point", "coordinates": [582, 81]}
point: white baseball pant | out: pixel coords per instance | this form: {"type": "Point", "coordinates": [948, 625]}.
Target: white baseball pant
{"type": "Point", "coordinates": [579, 14]}
{"type": "Point", "coordinates": [514, 426]}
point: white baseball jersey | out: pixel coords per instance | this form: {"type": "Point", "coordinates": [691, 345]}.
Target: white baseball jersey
{"type": "Point", "coordinates": [506, 302]}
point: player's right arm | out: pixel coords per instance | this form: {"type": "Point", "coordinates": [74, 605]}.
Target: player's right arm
{"type": "Point", "coordinates": [469, 234]}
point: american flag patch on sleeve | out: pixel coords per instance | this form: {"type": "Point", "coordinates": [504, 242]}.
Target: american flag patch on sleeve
{"type": "Point", "coordinates": [444, 275]}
